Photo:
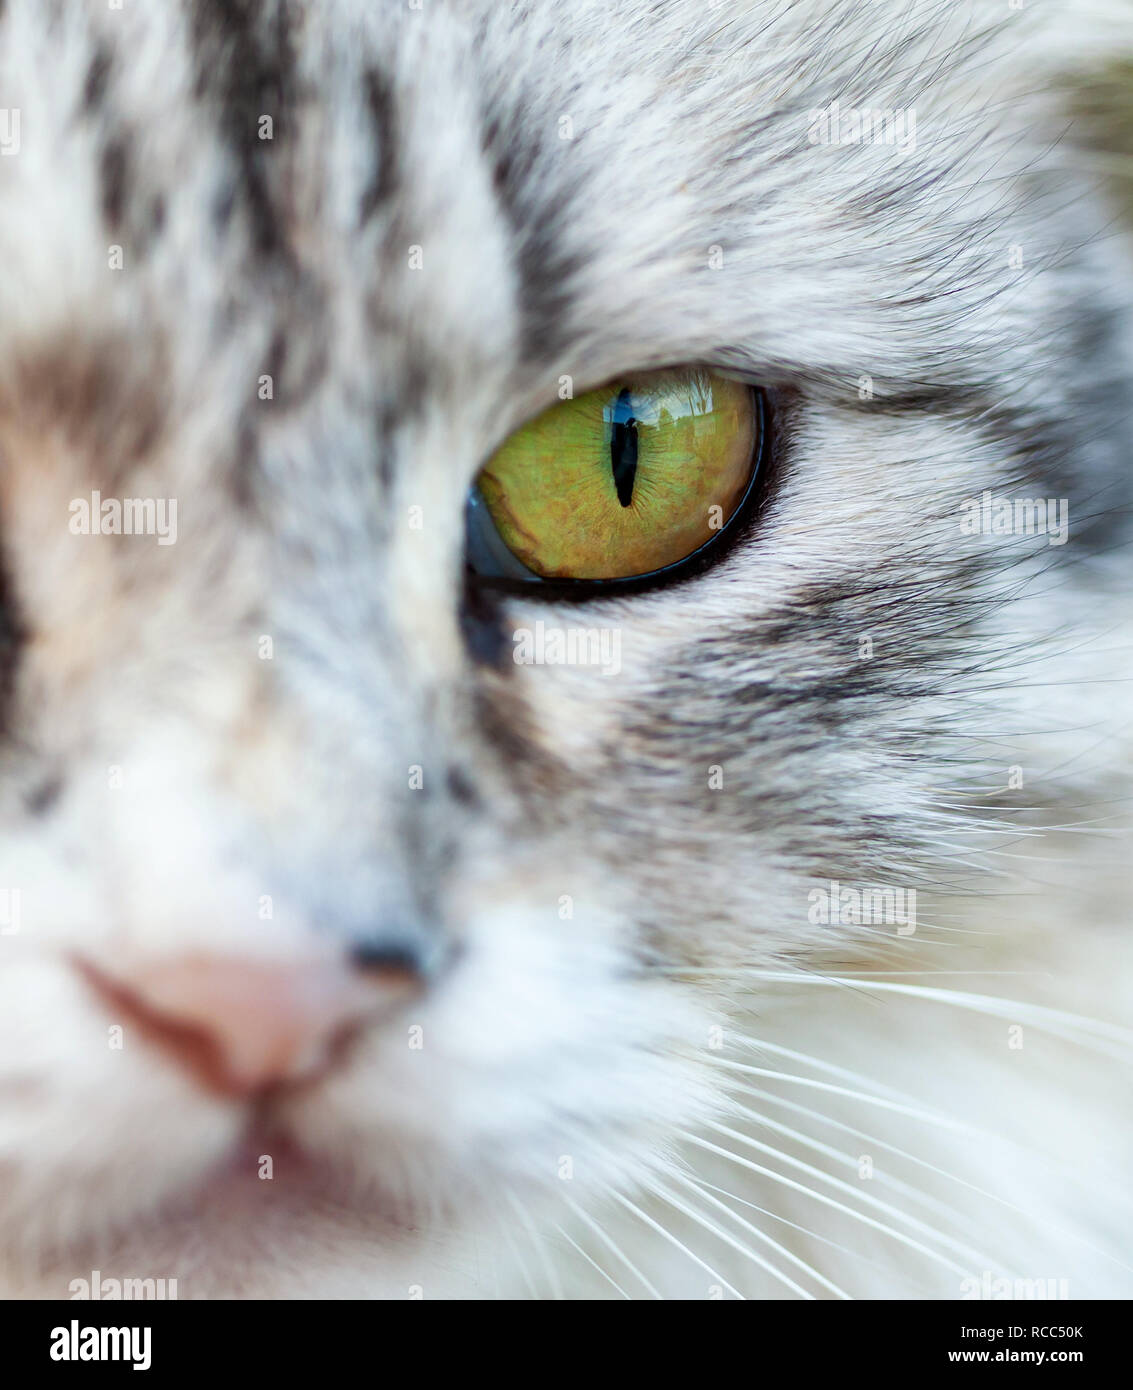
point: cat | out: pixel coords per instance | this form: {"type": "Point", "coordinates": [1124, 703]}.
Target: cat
{"type": "Point", "coordinates": [345, 955]}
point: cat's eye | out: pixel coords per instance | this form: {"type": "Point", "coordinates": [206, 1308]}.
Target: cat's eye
{"type": "Point", "coordinates": [621, 483]}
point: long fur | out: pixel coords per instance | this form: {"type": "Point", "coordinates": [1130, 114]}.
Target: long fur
{"type": "Point", "coordinates": [649, 1071]}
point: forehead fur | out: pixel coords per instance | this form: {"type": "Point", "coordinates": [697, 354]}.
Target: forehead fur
{"type": "Point", "coordinates": [155, 119]}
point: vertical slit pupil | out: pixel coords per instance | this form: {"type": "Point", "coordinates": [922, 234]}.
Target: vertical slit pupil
{"type": "Point", "coordinates": [623, 447]}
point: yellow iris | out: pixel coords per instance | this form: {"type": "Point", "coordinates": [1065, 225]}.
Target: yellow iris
{"type": "Point", "coordinates": [625, 480]}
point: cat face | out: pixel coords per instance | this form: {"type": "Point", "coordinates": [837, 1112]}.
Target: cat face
{"type": "Point", "coordinates": [304, 858]}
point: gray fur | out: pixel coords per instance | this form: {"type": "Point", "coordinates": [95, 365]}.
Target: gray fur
{"type": "Point", "coordinates": [543, 257]}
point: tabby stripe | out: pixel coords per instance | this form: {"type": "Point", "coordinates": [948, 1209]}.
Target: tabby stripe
{"type": "Point", "coordinates": [244, 55]}
{"type": "Point", "coordinates": [382, 110]}
{"type": "Point", "coordinates": [546, 269]}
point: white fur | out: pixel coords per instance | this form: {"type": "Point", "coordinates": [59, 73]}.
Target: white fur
{"type": "Point", "coordinates": [572, 1065]}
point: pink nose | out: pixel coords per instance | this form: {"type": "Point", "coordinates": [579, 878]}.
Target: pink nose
{"type": "Point", "coordinates": [241, 1025]}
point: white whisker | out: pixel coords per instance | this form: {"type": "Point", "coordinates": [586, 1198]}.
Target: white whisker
{"type": "Point", "coordinates": [907, 1110]}
{"type": "Point", "coordinates": [668, 1235]}
{"type": "Point", "coordinates": [915, 1223]}
{"type": "Point", "coordinates": [761, 1045]}
{"type": "Point", "coordinates": [841, 1156]}
{"type": "Point", "coordinates": [1057, 1022]}
{"type": "Point", "coordinates": [1114, 1195]}
{"type": "Point", "coordinates": [538, 1245]}
{"type": "Point", "coordinates": [614, 1249]}
{"type": "Point", "coordinates": [799, 1263]}
{"type": "Point", "coordinates": [702, 1220]}
{"type": "Point", "coordinates": [898, 1236]}
{"type": "Point", "coordinates": [794, 1225]}
{"type": "Point", "coordinates": [609, 1278]}
{"type": "Point", "coordinates": [525, 1273]}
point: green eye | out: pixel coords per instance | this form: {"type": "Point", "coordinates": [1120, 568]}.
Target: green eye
{"type": "Point", "coordinates": [619, 483]}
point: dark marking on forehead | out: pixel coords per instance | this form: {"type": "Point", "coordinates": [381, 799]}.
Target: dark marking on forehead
{"type": "Point", "coordinates": [382, 109]}
{"type": "Point", "coordinates": [244, 55]}
{"type": "Point", "coordinates": [97, 79]}
{"type": "Point", "coordinates": [461, 789]}
{"type": "Point", "coordinates": [114, 177]}
{"type": "Point", "coordinates": [244, 474]}
{"type": "Point", "coordinates": [405, 395]}
{"type": "Point", "coordinates": [131, 201]}
{"type": "Point", "coordinates": [298, 355]}
{"type": "Point", "coordinates": [546, 268]}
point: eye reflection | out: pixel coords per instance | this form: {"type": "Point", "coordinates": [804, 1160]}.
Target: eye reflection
{"type": "Point", "coordinates": [623, 446]}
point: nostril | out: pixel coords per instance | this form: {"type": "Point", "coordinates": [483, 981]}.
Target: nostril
{"type": "Point", "coordinates": [380, 955]}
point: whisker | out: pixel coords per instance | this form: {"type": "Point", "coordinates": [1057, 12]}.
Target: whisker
{"type": "Point", "coordinates": [907, 1110]}
{"type": "Point", "coordinates": [701, 1220]}
{"type": "Point", "coordinates": [799, 1263]}
{"type": "Point", "coordinates": [668, 1235]}
{"type": "Point", "coordinates": [538, 1246]}
{"type": "Point", "coordinates": [794, 1225]}
{"type": "Point", "coordinates": [520, 1261]}
{"type": "Point", "coordinates": [608, 1241]}
{"type": "Point", "coordinates": [914, 1222]}
{"type": "Point", "coordinates": [1057, 1022]}
{"type": "Point", "coordinates": [840, 1156]}
{"type": "Point", "coordinates": [609, 1278]}
{"type": "Point", "coordinates": [828, 1201]}
{"type": "Point", "coordinates": [831, 1068]}
{"type": "Point", "coordinates": [934, 1168]}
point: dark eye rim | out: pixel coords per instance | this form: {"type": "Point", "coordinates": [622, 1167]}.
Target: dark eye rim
{"type": "Point", "coordinates": [696, 562]}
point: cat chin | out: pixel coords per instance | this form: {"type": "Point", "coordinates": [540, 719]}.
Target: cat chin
{"type": "Point", "coordinates": [275, 1217]}
{"type": "Point", "coordinates": [227, 1246]}
{"type": "Point", "coordinates": [267, 1220]}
